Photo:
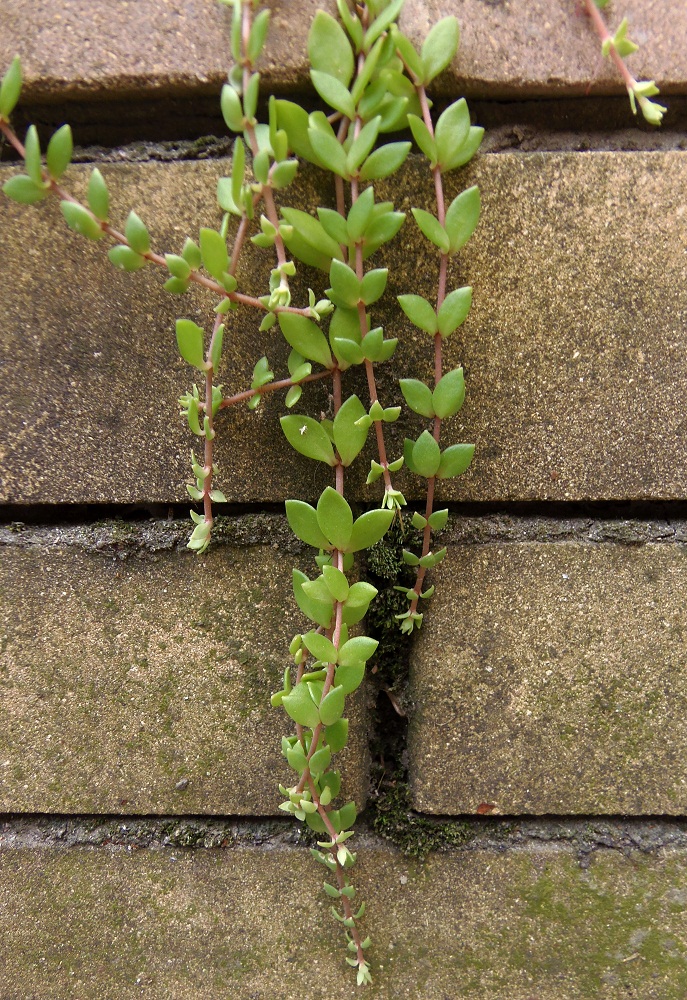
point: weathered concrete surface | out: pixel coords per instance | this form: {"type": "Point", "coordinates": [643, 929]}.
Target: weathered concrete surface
{"type": "Point", "coordinates": [550, 678]}
{"type": "Point", "coordinates": [142, 684]}
{"type": "Point", "coordinates": [97, 50]}
{"type": "Point", "coordinates": [573, 350]}
{"type": "Point", "coordinates": [483, 924]}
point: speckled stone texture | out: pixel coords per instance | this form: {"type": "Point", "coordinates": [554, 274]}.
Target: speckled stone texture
{"type": "Point", "coordinates": [136, 677]}
{"type": "Point", "coordinates": [549, 677]}
{"type": "Point", "coordinates": [573, 350]}
{"type": "Point", "coordinates": [98, 50]}
{"type": "Point", "coordinates": [482, 924]}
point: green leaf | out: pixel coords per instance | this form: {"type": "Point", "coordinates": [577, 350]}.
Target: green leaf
{"type": "Point", "coordinates": [449, 394]}
{"type": "Point", "coordinates": [362, 145]}
{"type": "Point", "coordinates": [348, 816]}
{"type": "Point", "coordinates": [384, 161]}
{"type": "Point", "coordinates": [59, 153]}
{"type": "Point", "coordinates": [191, 254]}
{"type": "Point", "coordinates": [10, 88]}
{"type": "Point", "coordinates": [418, 396]}
{"type": "Point", "coordinates": [468, 149]}
{"type": "Point", "coordinates": [320, 646]}
{"type": "Point", "coordinates": [333, 224]}
{"type": "Point", "coordinates": [238, 169]}
{"type": "Point", "coordinates": [190, 339]}
{"type": "Point", "coordinates": [462, 217]}
{"type": "Point", "coordinates": [336, 581]}
{"type": "Point", "coordinates": [258, 34]}
{"type": "Point", "coordinates": [388, 15]}
{"type": "Point", "coordinates": [32, 155]}
{"type": "Point", "coordinates": [23, 190]}
{"type": "Point", "coordinates": [360, 647]}
{"type": "Point", "coordinates": [359, 597]}
{"type": "Point", "coordinates": [306, 337]}
{"type": "Point", "coordinates": [319, 762]}
{"type": "Point", "coordinates": [365, 75]}
{"type": "Point", "coordinates": [334, 92]}
{"type": "Point", "coordinates": [250, 96]}
{"type": "Point", "coordinates": [81, 221]}
{"type": "Point", "coordinates": [407, 51]}
{"type": "Point", "coordinates": [439, 48]}
{"type": "Point", "coordinates": [316, 610]}
{"type": "Point", "coordinates": [360, 215]}
{"type": "Point", "coordinates": [451, 132]}
{"type": "Point", "coordinates": [328, 150]}
{"type": "Point", "coordinates": [232, 111]}
{"type": "Point", "coordinates": [313, 232]}
{"type": "Point", "coordinates": [308, 437]}
{"type": "Point", "coordinates": [332, 706]}
{"type": "Point", "coordinates": [335, 518]}
{"type": "Point", "coordinates": [126, 259]}
{"type": "Point", "coordinates": [137, 234]}
{"type": "Point", "coordinates": [329, 49]}
{"type": "Point", "coordinates": [432, 229]}
{"type": "Point", "coordinates": [438, 519]}
{"type": "Point", "coordinates": [381, 230]}
{"type": "Point", "coordinates": [426, 455]}
{"type": "Point", "coordinates": [350, 676]}
{"type": "Point", "coordinates": [345, 285]}
{"type": "Point", "coordinates": [283, 174]}
{"type": "Point", "coordinates": [213, 250]}
{"type": "Point", "coordinates": [303, 522]}
{"type": "Point", "coordinates": [455, 460]}
{"type": "Point", "coordinates": [300, 707]}
{"type": "Point", "coordinates": [419, 312]}
{"type": "Point", "coordinates": [176, 286]}
{"type": "Point", "coordinates": [315, 822]}
{"type": "Point", "coordinates": [454, 310]}
{"type": "Point", "coordinates": [373, 285]}
{"type": "Point", "coordinates": [294, 120]}
{"type": "Point", "coordinates": [423, 137]}
{"type": "Point", "coordinates": [216, 352]}
{"type": "Point", "coordinates": [336, 736]}
{"type": "Point", "coordinates": [98, 196]}
{"type": "Point", "coordinates": [349, 438]}
{"type": "Point", "coordinates": [177, 266]}
{"type": "Point", "coordinates": [369, 529]}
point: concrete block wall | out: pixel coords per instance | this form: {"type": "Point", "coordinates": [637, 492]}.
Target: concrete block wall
{"type": "Point", "coordinates": [523, 760]}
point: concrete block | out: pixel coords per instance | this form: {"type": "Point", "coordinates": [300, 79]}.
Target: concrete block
{"type": "Point", "coordinates": [141, 684]}
{"type": "Point", "coordinates": [94, 50]}
{"type": "Point", "coordinates": [549, 678]}
{"type": "Point", "coordinates": [573, 350]}
{"type": "Point", "coordinates": [484, 923]}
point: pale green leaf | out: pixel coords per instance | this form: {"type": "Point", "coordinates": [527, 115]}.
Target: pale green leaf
{"type": "Point", "coordinates": [308, 437]}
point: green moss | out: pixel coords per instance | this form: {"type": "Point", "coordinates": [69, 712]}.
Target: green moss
{"type": "Point", "coordinates": [415, 835]}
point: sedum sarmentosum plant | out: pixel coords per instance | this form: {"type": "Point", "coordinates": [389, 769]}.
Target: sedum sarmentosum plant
{"type": "Point", "coordinates": [616, 47]}
{"type": "Point", "coordinates": [375, 82]}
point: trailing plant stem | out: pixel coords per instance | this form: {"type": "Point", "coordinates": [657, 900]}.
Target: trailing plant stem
{"type": "Point", "coordinates": [154, 258]}
{"type": "Point", "coordinates": [209, 437]}
{"type": "Point", "coordinates": [283, 383]}
{"type": "Point", "coordinates": [605, 37]}
{"type": "Point", "coordinates": [266, 190]}
{"type": "Point", "coordinates": [438, 360]}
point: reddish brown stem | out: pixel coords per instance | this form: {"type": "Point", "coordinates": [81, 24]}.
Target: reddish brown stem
{"type": "Point", "coordinates": [340, 874]}
{"type": "Point", "coordinates": [207, 481]}
{"type": "Point", "coordinates": [284, 383]}
{"type": "Point", "coordinates": [605, 36]}
{"type": "Point", "coordinates": [154, 258]}
{"type": "Point", "coordinates": [268, 197]}
{"type": "Point", "coordinates": [438, 361]}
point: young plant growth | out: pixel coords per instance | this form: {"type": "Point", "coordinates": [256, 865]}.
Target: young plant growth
{"type": "Point", "coordinates": [374, 82]}
{"type": "Point", "coordinates": [616, 47]}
